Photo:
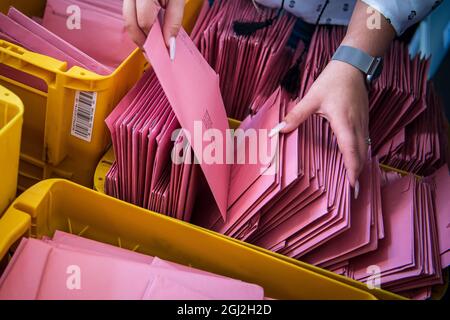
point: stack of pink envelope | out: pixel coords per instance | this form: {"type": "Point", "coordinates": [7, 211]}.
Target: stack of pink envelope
{"type": "Point", "coordinates": [68, 267]}
{"type": "Point", "coordinates": [251, 66]}
{"type": "Point", "coordinates": [422, 146]}
{"type": "Point", "coordinates": [440, 182]}
{"type": "Point", "coordinates": [142, 128]}
{"type": "Point", "coordinates": [100, 26]}
{"type": "Point", "coordinates": [366, 226]}
{"type": "Point", "coordinates": [412, 254]}
{"type": "Point", "coordinates": [398, 96]}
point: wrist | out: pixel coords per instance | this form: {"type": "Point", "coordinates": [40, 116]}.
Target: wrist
{"type": "Point", "coordinates": [347, 71]}
{"type": "Point", "coordinates": [370, 67]}
{"type": "Point", "coordinates": [363, 45]}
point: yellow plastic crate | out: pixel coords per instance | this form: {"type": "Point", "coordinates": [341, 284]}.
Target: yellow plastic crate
{"type": "Point", "coordinates": [11, 119]}
{"type": "Point", "coordinates": [99, 185]}
{"type": "Point", "coordinates": [48, 149]}
{"type": "Point", "coordinates": [58, 204]}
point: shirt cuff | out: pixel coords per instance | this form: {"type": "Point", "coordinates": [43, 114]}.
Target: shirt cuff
{"type": "Point", "coordinates": [402, 14]}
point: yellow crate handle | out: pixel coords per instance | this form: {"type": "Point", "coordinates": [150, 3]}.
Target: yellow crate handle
{"type": "Point", "coordinates": [35, 64]}
{"type": "Point", "coordinates": [16, 222]}
{"type": "Point", "coordinates": [13, 225]}
{"type": "Point", "coordinates": [43, 66]}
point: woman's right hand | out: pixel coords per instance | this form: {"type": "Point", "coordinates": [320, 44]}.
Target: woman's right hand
{"type": "Point", "coordinates": [140, 15]}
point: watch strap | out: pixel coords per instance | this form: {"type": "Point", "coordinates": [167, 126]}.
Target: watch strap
{"type": "Point", "coordinates": [357, 58]}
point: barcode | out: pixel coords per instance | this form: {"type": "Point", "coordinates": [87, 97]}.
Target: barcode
{"type": "Point", "coordinates": [83, 114]}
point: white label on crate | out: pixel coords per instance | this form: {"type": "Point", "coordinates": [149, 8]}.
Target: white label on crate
{"type": "Point", "coordinates": [83, 114]}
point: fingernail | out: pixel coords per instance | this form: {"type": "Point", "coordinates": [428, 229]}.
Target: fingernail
{"type": "Point", "coordinates": [172, 47]}
{"type": "Point", "coordinates": [276, 130]}
{"type": "Point", "coordinates": [356, 189]}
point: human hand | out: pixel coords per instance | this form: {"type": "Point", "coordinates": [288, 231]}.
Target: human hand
{"type": "Point", "coordinates": [140, 15]}
{"type": "Point", "coordinates": [340, 95]}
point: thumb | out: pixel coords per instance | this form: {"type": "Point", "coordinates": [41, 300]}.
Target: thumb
{"type": "Point", "coordinates": [306, 107]}
{"type": "Point", "coordinates": [173, 18]}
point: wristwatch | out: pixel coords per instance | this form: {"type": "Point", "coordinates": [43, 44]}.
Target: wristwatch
{"type": "Point", "coordinates": [370, 66]}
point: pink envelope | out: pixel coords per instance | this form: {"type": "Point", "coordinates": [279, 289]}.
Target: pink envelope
{"type": "Point", "coordinates": [212, 286]}
{"type": "Point", "coordinates": [159, 263]}
{"type": "Point", "coordinates": [100, 29]}
{"type": "Point", "coordinates": [426, 269]}
{"type": "Point", "coordinates": [101, 277]}
{"type": "Point", "coordinates": [397, 247]}
{"type": "Point", "coordinates": [82, 59]}
{"type": "Point", "coordinates": [29, 40]}
{"type": "Point", "coordinates": [442, 202]}
{"type": "Point", "coordinates": [445, 258]}
{"type": "Point", "coordinates": [192, 88]}
{"type": "Point", "coordinates": [4, 36]}
{"type": "Point", "coordinates": [21, 280]}
{"type": "Point", "coordinates": [285, 226]}
{"type": "Point", "coordinates": [164, 140]}
{"type": "Point", "coordinates": [165, 289]}
{"type": "Point", "coordinates": [359, 235]}
{"type": "Point", "coordinates": [83, 243]}
{"type": "Point", "coordinates": [107, 272]}
{"type": "Point", "coordinates": [28, 281]}
{"type": "Point", "coordinates": [253, 185]}
{"type": "Point", "coordinates": [193, 189]}
{"type": "Point", "coordinates": [333, 224]}
{"type": "Point", "coordinates": [245, 174]}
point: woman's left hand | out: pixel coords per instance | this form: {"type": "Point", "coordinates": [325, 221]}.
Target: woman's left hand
{"type": "Point", "coordinates": [340, 95]}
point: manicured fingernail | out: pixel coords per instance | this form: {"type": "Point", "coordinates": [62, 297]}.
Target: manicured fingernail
{"type": "Point", "coordinates": [356, 189]}
{"type": "Point", "coordinates": [172, 47]}
{"type": "Point", "coordinates": [276, 130]}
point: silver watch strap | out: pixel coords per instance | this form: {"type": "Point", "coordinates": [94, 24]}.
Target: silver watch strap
{"type": "Point", "coordinates": [357, 58]}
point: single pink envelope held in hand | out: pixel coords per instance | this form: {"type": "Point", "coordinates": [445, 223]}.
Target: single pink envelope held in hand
{"type": "Point", "coordinates": [192, 89]}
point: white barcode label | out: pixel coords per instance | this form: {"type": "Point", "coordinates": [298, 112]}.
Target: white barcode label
{"type": "Point", "coordinates": [83, 114]}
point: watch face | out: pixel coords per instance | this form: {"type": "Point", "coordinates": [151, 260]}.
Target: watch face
{"type": "Point", "coordinates": [378, 70]}
{"type": "Point", "coordinates": [369, 79]}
